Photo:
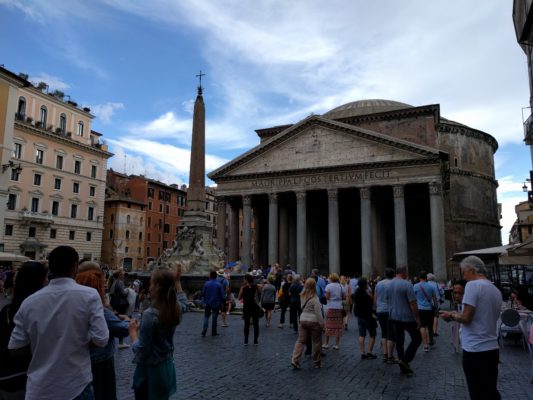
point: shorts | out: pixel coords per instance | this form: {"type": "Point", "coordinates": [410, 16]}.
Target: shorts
{"type": "Point", "coordinates": [386, 330]}
{"type": "Point", "coordinates": [268, 306]}
{"type": "Point", "coordinates": [366, 325]}
{"type": "Point", "coordinates": [426, 318]}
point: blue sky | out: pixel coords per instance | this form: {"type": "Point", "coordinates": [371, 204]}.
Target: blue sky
{"type": "Point", "coordinates": [270, 62]}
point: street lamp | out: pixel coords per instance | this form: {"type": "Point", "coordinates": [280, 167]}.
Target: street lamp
{"type": "Point", "coordinates": [524, 188]}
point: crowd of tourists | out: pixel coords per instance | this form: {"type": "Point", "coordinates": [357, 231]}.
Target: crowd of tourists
{"type": "Point", "coordinates": [58, 335]}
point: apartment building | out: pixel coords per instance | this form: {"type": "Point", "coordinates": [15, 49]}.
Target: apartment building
{"type": "Point", "coordinates": [53, 172]}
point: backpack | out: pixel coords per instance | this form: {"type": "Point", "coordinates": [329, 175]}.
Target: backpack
{"type": "Point", "coordinates": [322, 296]}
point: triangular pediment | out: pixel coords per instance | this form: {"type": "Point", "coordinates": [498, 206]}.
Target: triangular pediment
{"type": "Point", "coordinates": [317, 143]}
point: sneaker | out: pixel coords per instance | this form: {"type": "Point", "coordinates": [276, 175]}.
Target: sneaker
{"type": "Point", "coordinates": [335, 347]}
{"type": "Point", "coordinates": [123, 346]}
{"type": "Point", "coordinates": [426, 349]}
{"type": "Point", "coordinates": [317, 366]}
{"type": "Point", "coordinates": [405, 368]}
{"type": "Point", "coordinates": [371, 356]}
{"type": "Point", "coordinates": [280, 326]}
{"type": "Point", "coordinates": [325, 346]}
{"type": "Point", "coordinates": [296, 365]}
{"type": "Point", "coordinates": [225, 325]}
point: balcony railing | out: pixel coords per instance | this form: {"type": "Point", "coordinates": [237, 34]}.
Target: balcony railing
{"type": "Point", "coordinates": [37, 217]}
{"type": "Point", "coordinates": [528, 130]}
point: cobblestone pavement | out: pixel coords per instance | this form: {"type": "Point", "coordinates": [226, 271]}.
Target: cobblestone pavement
{"type": "Point", "coordinates": [222, 368]}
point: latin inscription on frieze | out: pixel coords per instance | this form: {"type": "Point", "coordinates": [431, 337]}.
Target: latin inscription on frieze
{"type": "Point", "coordinates": [340, 177]}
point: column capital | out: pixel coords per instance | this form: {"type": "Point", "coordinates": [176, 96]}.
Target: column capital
{"type": "Point", "coordinates": [364, 192]}
{"type": "Point", "coordinates": [246, 200]}
{"type": "Point", "coordinates": [434, 188]}
{"type": "Point", "coordinates": [398, 191]}
{"type": "Point", "coordinates": [333, 194]}
{"type": "Point", "coordinates": [221, 199]}
{"type": "Point", "coordinates": [300, 195]}
{"type": "Point", "coordinates": [272, 197]}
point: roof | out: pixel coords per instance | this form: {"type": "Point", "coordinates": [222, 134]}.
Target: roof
{"type": "Point", "coordinates": [365, 107]}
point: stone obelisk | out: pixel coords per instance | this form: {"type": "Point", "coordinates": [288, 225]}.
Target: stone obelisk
{"type": "Point", "coordinates": [194, 247]}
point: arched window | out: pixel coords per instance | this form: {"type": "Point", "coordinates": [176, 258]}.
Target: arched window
{"type": "Point", "coordinates": [112, 218]}
{"type": "Point", "coordinates": [21, 110]}
{"type": "Point", "coordinates": [111, 234]}
{"type": "Point", "coordinates": [63, 123]}
{"type": "Point", "coordinates": [80, 128]}
{"type": "Point", "coordinates": [127, 234]}
{"type": "Point", "coordinates": [128, 219]}
{"type": "Point", "coordinates": [43, 116]}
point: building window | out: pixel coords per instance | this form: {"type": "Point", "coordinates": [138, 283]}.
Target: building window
{"type": "Point", "coordinates": [63, 123]}
{"type": "Point", "coordinates": [57, 183]}
{"type": "Point", "coordinates": [71, 235]}
{"type": "Point", "coordinates": [39, 156]}
{"type": "Point", "coordinates": [167, 209]}
{"type": "Point", "coordinates": [149, 205]}
{"type": "Point", "coordinates": [93, 171]}
{"type": "Point", "coordinates": [53, 233]}
{"type": "Point", "coordinates": [128, 219]}
{"type": "Point", "coordinates": [141, 221]}
{"type": "Point", "coordinates": [167, 228]}
{"type": "Point", "coordinates": [31, 232]}
{"type": "Point", "coordinates": [164, 244]}
{"type": "Point", "coordinates": [59, 162]}
{"type": "Point", "coordinates": [42, 118]}
{"type": "Point", "coordinates": [17, 150]}
{"type": "Point", "coordinates": [80, 128]}
{"type": "Point", "coordinates": [73, 210]}
{"type": "Point", "coordinates": [9, 230]}
{"type": "Point", "coordinates": [37, 179]}
{"type": "Point", "coordinates": [149, 222]}
{"type": "Point", "coordinates": [126, 250]}
{"type": "Point", "coordinates": [151, 193]}
{"type": "Point", "coordinates": [88, 236]}
{"type": "Point", "coordinates": [55, 208]}
{"type": "Point", "coordinates": [92, 191]}
{"type": "Point", "coordinates": [138, 250]}
{"type": "Point", "coordinates": [12, 201]}
{"type": "Point", "coordinates": [149, 236]}
{"type": "Point", "coordinates": [140, 236]}
{"type": "Point", "coordinates": [112, 218]}
{"type": "Point", "coordinates": [75, 187]}
{"type": "Point", "coordinates": [160, 207]}
{"type": "Point", "coordinates": [127, 234]}
{"type": "Point", "coordinates": [148, 252]}
{"type": "Point", "coordinates": [77, 167]}
{"type": "Point", "coordinates": [15, 175]}
{"type": "Point", "coordinates": [111, 234]}
{"type": "Point", "coordinates": [90, 213]}
{"type": "Point", "coordinates": [34, 204]}
{"type": "Point", "coordinates": [21, 110]}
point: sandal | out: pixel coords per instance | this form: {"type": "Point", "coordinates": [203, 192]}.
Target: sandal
{"type": "Point", "coordinates": [325, 346]}
{"type": "Point", "coordinates": [371, 356]}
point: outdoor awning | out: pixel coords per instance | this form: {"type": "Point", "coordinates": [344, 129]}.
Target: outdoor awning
{"type": "Point", "coordinates": [489, 252]}
{"type": "Point", "coordinates": [520, 254]}
{"type": "Point", "coordinates": [32, 244]}
{"type": "Point", "coordinates": [12, 257]}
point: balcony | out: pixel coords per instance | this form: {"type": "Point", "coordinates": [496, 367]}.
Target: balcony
{"type": "Point", "coordinates": [37, 217]}
{"type": "Point", "coordinates": [528, 130]}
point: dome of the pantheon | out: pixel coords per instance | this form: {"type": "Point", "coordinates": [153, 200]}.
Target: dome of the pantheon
{"type": "Point", "coordinates": [364, 107]}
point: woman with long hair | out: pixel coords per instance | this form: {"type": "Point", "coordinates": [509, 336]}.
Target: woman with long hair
{"type": "Point", "coordinates": [31, 277]}
{"type": "Point", "coordinates": [103, 358]}
{"type": "Point", "coordinates": [268, 299]}
{"type": "Point", "coordinates": [311, 324]}
{"type": "Point", "coordinates": [155, 375]}
{"type": "Point", "coordinates": [363, 309]}
{"type": "Point", "coordinates": [250, 293]}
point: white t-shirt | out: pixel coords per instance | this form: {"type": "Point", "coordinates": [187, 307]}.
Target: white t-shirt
{"type": "Point", "coordinates": [335, 295]}
{"type": "Point", "coordinates": [481, 334]}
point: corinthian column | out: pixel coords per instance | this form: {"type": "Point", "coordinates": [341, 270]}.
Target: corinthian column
{"type": "Point", "coordinates": [246, 230]}
{"type": "Point", "coordinates": [234, 231]}
{"type": "Point", "coordinates": [272, 228]}
{"type": "Point", "coordinates": [438, 246]}
{"type": "Point", "coordinates": [333, 231]}
{"type": "Point", "coordinates": [301, 232]}
{"type": "Point", "coordinates": [366, 232]}
{"type": "Point", "coordinates": [221, 223]}
{"type": "Point", "coordinates": [400, 230]}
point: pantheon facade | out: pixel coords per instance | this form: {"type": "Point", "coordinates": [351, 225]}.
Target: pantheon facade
{"type": "Point", "coordinates": [367, 185]}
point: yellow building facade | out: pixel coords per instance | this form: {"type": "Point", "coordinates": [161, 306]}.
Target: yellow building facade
{"type": "Point", "coordinates": [53, 172]}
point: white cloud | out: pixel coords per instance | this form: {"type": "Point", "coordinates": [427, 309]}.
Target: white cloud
{"type": "Point", "coordinates": [188, 106]}
{"type": "Point", "coordinates": [53, 82]}
{"type": "Point", "coordinates": [105, 111]}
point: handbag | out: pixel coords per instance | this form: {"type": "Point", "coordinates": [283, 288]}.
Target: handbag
{"type": "Point", "coordinates": [257, 303]}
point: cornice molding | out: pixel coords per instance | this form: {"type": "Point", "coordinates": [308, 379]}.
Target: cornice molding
{"type": "Point", "coordinates": [444, 127]}
{"type": "Point", "coordinates": [394, 114]}
{"type": "Point", "coordinates": [62, 140]}
{"type": "Point", "coordinates": [462, 172]}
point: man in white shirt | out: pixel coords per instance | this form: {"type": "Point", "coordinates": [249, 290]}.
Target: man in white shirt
{"type": "Point", "coordinates": [482, 304]}
{"type": "Point", "coordinates": [56, 324]}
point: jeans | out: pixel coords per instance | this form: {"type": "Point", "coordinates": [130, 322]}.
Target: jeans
{"type": "Point", "coordinates": [284, 305]}
{"type": "Point", "coordinates": [399, 328]}
{"type": "Point", "coordinates": [295, 312]}
{"type": "Point", "coordinates": [207, 314]}
{"type": "Point", "coordinates": [481, 372]}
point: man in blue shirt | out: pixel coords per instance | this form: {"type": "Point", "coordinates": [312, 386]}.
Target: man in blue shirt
{"type": "Point", "coordinates": [426, 299]}
{"type": "Point", "coordinates": [213, 295]}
